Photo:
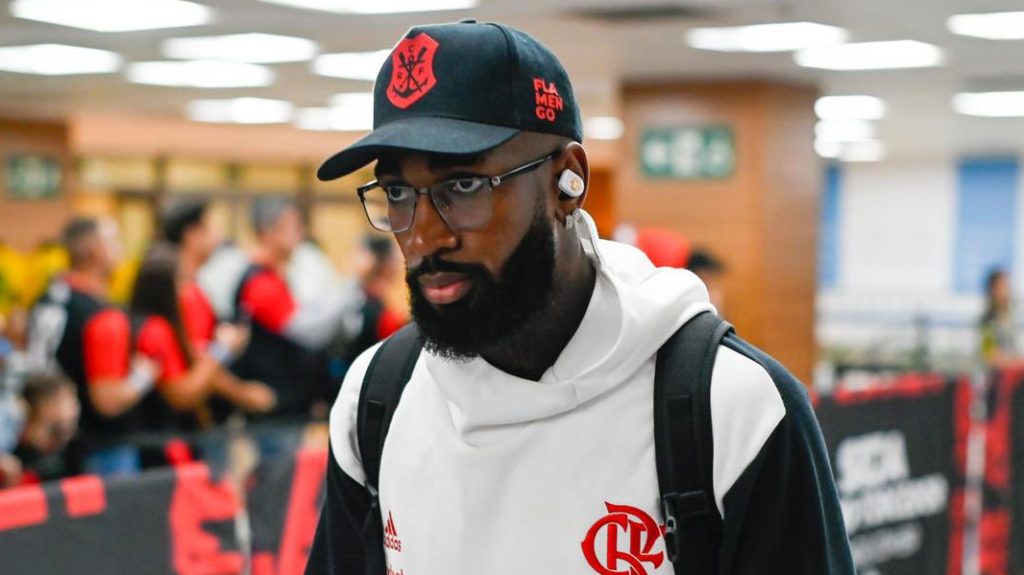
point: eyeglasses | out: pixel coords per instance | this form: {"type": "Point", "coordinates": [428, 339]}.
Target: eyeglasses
{"type": "Point", "coordinates": [463, 203]}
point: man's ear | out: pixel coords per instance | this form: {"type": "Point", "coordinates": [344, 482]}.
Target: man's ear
{"type": "Point", "coordinates": [574, 159]}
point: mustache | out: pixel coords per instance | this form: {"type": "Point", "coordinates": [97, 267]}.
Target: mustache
{"type": "Point", "coordinates": [434, 264]}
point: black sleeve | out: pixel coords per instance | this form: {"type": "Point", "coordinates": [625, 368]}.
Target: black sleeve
{"type": "Point", "coordinates": [782, 516]}
{"type": "Point", "coordinates": [338, 547]}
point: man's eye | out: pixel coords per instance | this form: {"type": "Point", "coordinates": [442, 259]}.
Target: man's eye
{"type": "Point", "coordinates": [398, 194]}
{"type": "Point", "coordinates": [468, 185]}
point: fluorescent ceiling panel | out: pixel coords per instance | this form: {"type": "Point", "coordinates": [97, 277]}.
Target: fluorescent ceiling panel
{"type": "Point", "coordinates": [378, 6]}
{"type": "Point", "coordinates": [351, 65]}
{"type": "Point", "coordinates": [200, 74]}
{"type": "Point", "coordinates": [57, 60]}
{"type": "Point", "coordinates": [992, 26]}
{"type": "Point", "coordinates": [850, 108]}
{"type": "Point", "coordinates": [241, 111]}
{"type": "Point", "coordinates": [844, 130]}
{"type": "Point", "coordinates": [990, 104]}
{"type": "Point", "coordinates": [872, 56]}
{"type": "Point", "coordinates": [114, 15]}
{"type": "Point", "coordinates": [256, 48]}
{"type": "Point", "coordinates": [780, 37]}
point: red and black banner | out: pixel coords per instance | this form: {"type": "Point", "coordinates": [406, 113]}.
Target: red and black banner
{"type": "Point", "coordinates": [168, 521]}
{"type": "Point", "coordinates": [898, 452]}
{"type": "Point", "coordinates": [285, 496]}
{"type": "Point", "coordinates": [1002, 516]}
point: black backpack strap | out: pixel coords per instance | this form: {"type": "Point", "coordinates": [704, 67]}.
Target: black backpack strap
{"type": "Point", "coordinates": [683, 443]}
{"type": "Point", "coordinates": [389, 371]}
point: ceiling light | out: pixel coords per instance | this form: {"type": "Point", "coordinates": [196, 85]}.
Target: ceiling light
{"type": "Point", "coordinates": [351, 65]}
{"type": "Point", "coordinates": [349, 112]}
{"type": "Point", "coordinates": [993, 26]}
{"type": "Point", "coordinates": [241, 111]}
{"type": "Point", "coordinates": [114, 15]}
{"type": "Point", "coordinates": [827, 149]}
{"type": "Point", "coordinates": [603, 128]}
{"type": "Point", "coordinates": [255, 48]}
{"type": "Point", "coordinates": [990, 104]}
{"type": "Point", "coordinates": [378, 6]}
{"type": "Point", "coordinates": [57, 60]}
{"type": "Point", "coordinates": [766, 37]}
{"type": "Point", "coordinates": [866, 151]}
{"type": "Point", "coordinates": [844, 130]}
{"type": "Point", "coordinates": [871, 56]}
{"type": "Point", "coordinates": [200, 74]}
{"type": "Point", "coordinates": [850, 108]}
{"type": "Point", "coordinates": [362, 101]}
{"type": "Point", "coordinates": [340, 119]}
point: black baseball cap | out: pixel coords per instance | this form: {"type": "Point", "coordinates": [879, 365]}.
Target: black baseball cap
{"type": "Point", "coordinates": [462, 88]}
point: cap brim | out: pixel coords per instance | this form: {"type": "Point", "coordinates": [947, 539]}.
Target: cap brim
{"type": "Point", "coordinates": [422, 134]}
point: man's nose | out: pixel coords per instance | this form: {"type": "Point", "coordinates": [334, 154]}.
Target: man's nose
{"type": "Point", "coordinates": [429, 232]}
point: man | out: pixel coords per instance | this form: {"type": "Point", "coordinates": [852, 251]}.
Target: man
{"type": "Point", "coordinates": [75, 328]}
{"type": "Point", "coordinates": [380, 269]}
{"type": "Point", "coordinates": [523, 440]}
{"type": "Point", "coordinates": [286, 349]}
{"type": "Point", "coordinates": [186, 226]}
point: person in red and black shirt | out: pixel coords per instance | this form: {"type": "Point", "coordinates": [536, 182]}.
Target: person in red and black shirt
{"type": "Point", "coordinates": [73, 327]}
{"type": "Point", "coordinates": [186, 228]}
{"type": "Point", "coordinates": [288, 339]}
{"type": "Point", "coordinates": [186, 376]}
{"type": "Point", "coordinates": [381, 267]}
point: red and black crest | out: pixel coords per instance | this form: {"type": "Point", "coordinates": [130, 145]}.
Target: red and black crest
{"type": "Point", "coordinates": [412, 72]}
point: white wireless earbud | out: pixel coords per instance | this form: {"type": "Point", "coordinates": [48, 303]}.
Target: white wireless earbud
{"type": "Point", "coordinates": [571, 184]}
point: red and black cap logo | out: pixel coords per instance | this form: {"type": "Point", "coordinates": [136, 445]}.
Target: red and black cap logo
{"type": "Point", "coordinates": [412, 72]}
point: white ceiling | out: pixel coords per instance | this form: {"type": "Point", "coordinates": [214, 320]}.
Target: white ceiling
{"type": "Point", "coordinates": [600, 54]}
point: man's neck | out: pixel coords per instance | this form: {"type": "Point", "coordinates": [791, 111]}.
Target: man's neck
{"type": "Point", "coordinates": [88, 279]}
{"type": "Point", "coordinates": [536, 346]}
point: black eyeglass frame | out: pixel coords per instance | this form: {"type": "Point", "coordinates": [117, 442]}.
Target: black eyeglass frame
{"type": "Point", "coordinates": [441, 187]}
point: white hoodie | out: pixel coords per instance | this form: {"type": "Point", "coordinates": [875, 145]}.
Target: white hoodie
{"type": "Point", "coordinates": [483, 472]}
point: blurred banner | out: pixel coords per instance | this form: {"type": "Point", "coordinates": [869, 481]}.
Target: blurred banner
{"type": "Point", "coordinates": [285, 496]}
{"type": "Point", "coordinates": [898, 454]}
{"type": "Point", "coordinates": [1002, 516]}
{"type": "Point", "coordinates": [88, 525]}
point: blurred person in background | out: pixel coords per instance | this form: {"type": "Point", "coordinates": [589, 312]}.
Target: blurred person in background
{"type": "Point", "coordinates": [73, 326]}
{"type": "Point", "coordinates": [53, 412]}
{"type": "Point", "coordinates": [186, 375]}
{"type": "Point", "coordinates": [711, 271]}
{"type": "Point", "coordinates": [190, 240]}
{"type": "Point", "coordinates": [998, 338]}
{"type": "Point", "coordinates": [288, 340]}
{"type": "Point", "coordinates": [380, 267]}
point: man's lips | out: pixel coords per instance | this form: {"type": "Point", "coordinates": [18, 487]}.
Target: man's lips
{"type": "Point", "coordinates": [444, 288]}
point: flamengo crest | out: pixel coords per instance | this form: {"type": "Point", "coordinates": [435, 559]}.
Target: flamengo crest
{"type": "Point", "coordinates": [412, 70]}
{"type": "Point", "coordinates": [640, 530]}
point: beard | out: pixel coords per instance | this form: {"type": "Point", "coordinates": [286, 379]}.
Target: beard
{"type": "Point", "coordinates": [493, 310]}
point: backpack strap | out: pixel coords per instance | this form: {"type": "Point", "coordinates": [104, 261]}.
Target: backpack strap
{"type": "Point", "coordinates": [386, 376]}
{"type": "Point", "coordinates": [683, 443]}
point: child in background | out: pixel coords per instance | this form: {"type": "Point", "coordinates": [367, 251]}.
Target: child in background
{"type": "Point", "coordinates": [53, 412]}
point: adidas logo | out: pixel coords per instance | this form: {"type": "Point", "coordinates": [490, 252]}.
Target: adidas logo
{"type": "Point", "coordinates": [391, 540]}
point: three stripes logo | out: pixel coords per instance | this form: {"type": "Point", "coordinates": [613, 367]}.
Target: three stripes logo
{"type": "Point", "coordinates": [391, 540]}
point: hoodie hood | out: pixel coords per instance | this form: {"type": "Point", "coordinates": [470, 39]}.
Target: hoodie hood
{"type": "Point", "coordinates": [634, 309]}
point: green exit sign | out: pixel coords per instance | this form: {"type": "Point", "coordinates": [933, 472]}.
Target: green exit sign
{"type": "Point", "coordinates": [688, 153]}
{"type": "Point", "coordinates": [33, 176]}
